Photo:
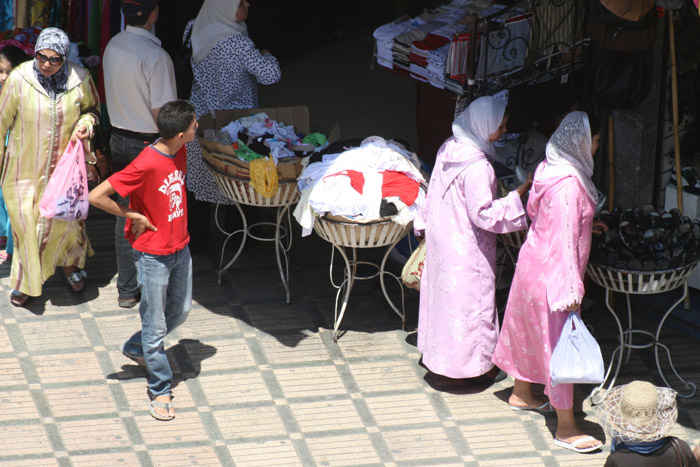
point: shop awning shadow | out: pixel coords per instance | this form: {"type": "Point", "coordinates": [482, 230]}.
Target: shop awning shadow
{"type": "Point", "coordinates": [185, 359]}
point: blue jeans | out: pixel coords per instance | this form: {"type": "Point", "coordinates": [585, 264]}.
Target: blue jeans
{"type": "Point", "coordinates": [166, 300]}
{"type": "Point", "coordinates": [124, 150]}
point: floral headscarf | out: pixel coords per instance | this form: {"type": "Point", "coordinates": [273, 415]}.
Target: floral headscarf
{"type": "Point", "coordinates": [569, 152]}
{"type": "Point", "coordinates": [58, 41]}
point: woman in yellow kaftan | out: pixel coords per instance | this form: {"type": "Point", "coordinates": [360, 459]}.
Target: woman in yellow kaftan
{"type": "Point", "coordinates": [44, 104]}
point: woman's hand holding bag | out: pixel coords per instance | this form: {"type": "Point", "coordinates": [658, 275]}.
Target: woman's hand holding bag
{"type": "Point", "coordinates": [66, 193]}
{"type": "Point", "coordinates": [576, 357]}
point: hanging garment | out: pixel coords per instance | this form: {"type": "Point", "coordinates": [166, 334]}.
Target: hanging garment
{"type": "Point", "coordinates": [40, 13]}
{"type": "Point", "coordinates": [94, 23]}
{"type": "Point", "coordinates": [22, 13]}
{"type": "Point", "coordinates": [6, 18]}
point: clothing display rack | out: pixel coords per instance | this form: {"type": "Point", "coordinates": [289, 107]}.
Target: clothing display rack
{"type": "Point", "coordinates": [469, 51]}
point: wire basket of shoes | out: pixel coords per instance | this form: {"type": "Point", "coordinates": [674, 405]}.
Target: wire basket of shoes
{"type": "Point", "coordinates": [241, 191]}
{"type": "Point", "coordinates": [343, 231]}
{"type": "Point", "coordinates": [645, 250]}
{"type": "Point", "coordinates": [639, 282]}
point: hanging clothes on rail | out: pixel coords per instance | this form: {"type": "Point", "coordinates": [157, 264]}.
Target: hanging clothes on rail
{"type": "Point", "coordinates": [6, 18]}
{"type": "Point", "coordinates": [40, 10]}
{"type": "Point", "coordinates": [22, 13]}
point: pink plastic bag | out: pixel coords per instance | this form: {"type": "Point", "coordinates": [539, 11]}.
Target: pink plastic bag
{"type": "Point", "coordinates": [66, 195]}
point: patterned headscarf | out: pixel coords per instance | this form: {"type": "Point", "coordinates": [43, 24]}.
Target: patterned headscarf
{"type": "Point", "coordinates": [569, 152]}
{"type": "Point", "coordinates": [58, 41]}
{"type": "Point", "coordinates": [478, 121]}
{"type": "Point", "coordinates": [215, 22]}
{"type": "Point", "coordinates": [53, 39]}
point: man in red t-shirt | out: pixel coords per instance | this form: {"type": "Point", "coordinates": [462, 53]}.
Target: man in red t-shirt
{"type": "Point", "coordinates": [156, 227]}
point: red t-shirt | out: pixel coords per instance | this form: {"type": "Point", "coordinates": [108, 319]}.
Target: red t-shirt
{"type": "Point", "coordinates": [155, 185]}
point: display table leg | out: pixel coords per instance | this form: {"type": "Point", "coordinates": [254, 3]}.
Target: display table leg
{"type": "Point", "coordinates": [343, 289]}
{"type": "Point", "coordinates": [596, 396]}
{"type": "Point", "coordinates": [229, 235]}
{"type": "Point", "coordinates": [281, 250]}
{"type": "Point", "coordinates": [382, 272]}
{"type": "Point", "coordinates": [688, 385]}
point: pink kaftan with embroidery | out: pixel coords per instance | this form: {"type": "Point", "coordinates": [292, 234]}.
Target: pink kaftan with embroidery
{"type": "Point", "coordinates": [457, 322]}
{"type": "Point", "coordinates": [548, 279]}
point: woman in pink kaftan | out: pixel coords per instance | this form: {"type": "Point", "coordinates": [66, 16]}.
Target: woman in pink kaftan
{"type": "Point", "coordinates": [548, 280]}
{"type": "Point", "coordinates": [457, 322]}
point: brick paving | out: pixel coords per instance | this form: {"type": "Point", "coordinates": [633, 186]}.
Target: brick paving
{"type": "Point", "coordinates": [262, 383]}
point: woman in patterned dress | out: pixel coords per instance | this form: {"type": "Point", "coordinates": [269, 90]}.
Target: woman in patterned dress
{"type": "Point", "coordinates": [227, 68]}
{"type": "Point", "coordinates": [548, 280]}
{"type": "Point", "coordinates": [44, 104]}
{"type": "Point", "coordinates": [457, 321]}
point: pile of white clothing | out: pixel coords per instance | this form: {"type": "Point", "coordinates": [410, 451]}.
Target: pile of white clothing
{"type": "Point", "coordinates": [281, 141]}
{"type": "Point", "coordinates": [261, 124]}
{"type": "Point", "coordinates": [354, 183]}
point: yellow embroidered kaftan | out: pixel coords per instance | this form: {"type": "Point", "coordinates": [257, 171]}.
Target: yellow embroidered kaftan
{"type": "Point", "coordinates": [40, 129]}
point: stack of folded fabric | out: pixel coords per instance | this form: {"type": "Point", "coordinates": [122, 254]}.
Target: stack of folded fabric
{"type": "Point", "coordinates": [420, 54]}
{"type": "Point", "coordinates": [384, 36]}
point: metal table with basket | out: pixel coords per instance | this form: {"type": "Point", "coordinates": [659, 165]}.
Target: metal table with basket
{"type": "Point", "coordinates": [344, 233]}
{"type": "Point", "coordinates": [639, 283]}
{"type": "Point", "coordinates": [241, 192]}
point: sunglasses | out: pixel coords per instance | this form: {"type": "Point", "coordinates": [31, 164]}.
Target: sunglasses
{"type": "Point", "coordinates": [52, 60]}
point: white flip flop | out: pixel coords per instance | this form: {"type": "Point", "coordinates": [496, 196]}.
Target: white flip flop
{"type": "Point", "coordinates": [544, 408]}
{"type": "Point", "coordinates": [574, 445]}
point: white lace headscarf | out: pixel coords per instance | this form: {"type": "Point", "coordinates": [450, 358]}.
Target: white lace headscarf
{"type": "Point", "coordinates": [215, 22]}
{"type": "Point", "coordinates": [569, 152]}
{"type": "Point", "coordinates": [478, 121]}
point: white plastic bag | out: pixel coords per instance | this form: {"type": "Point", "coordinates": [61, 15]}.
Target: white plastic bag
{"type": "Point", "coordinates": [577, 357]}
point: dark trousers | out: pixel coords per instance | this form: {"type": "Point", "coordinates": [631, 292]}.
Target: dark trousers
{"type": "Point", "coordinates": [124, 150]}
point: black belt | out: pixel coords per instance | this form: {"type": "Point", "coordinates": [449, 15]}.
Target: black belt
{"type": "Point", "coordinates": [133, 134]}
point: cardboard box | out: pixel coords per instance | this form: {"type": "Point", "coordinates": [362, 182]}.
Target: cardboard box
{"type": "Point", "coordinates": [224, 159]}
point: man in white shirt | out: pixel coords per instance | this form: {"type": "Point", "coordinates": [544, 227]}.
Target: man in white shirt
{"type": "Point", "coordinates": [139, 79]}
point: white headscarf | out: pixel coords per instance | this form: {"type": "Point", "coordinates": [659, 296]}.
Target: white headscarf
{"type": "Point", "coordinates": [569, 152]}
{"type": "Point", "coordinates": [215, 22]}
{"type": "Point", "coordinates": [478, 122]}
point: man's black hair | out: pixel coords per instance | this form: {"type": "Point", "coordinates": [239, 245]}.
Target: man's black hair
{"type": "Point", "coordinates": [175, 117]}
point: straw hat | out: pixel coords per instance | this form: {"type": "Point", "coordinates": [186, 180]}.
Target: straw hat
{"type": "Point", "coordinates": [638, 412]}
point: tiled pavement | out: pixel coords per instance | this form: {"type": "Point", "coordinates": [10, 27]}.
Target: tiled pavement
{"type": "Point", "coordinates": [261, 383]}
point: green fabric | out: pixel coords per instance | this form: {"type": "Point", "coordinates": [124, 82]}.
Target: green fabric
{"type": "Point", "coordinates": [317, 139]}
{"type": "Point", "coordinates": [244, 153]}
